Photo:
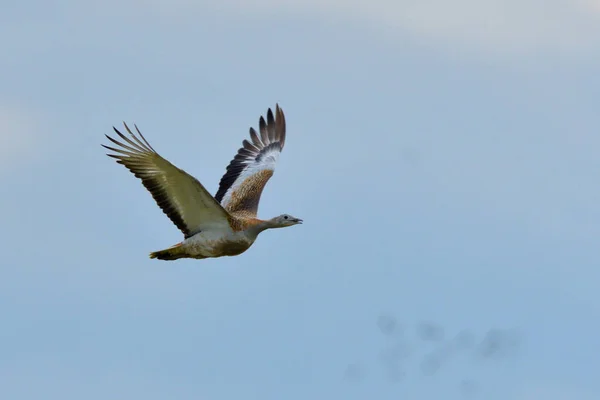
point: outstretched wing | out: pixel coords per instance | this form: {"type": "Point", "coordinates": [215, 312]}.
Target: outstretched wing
{"type": "Point", "coordinates": [181, 197]}
{"type": "Point", "coordinates": [247, 174]}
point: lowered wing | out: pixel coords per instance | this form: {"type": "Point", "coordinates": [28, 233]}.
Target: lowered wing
{"type": "Point", "coordinates": [181, 197]}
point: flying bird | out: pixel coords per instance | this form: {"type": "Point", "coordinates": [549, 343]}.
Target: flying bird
{"type": "Point", "coordinates": [223, 225]}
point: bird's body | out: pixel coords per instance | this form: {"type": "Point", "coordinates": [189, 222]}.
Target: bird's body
{"type": "Point", "coordinates": [224, 225]}
{"type": "Point", "coordinates": [210, 243]}
{"type": "Point", "coordinates": [217, 242]}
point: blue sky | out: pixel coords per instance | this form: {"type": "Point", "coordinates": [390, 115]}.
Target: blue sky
{"type": "Point", "coordinates": [444, 160]}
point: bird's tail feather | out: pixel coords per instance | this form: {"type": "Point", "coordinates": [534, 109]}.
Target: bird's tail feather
{"type": "Point", "coordinates": [172, 253]}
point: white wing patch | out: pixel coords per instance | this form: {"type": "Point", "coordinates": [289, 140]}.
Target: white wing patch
{"type": "Point", "coordinates": [247, 174]}
{"type": "Point", "coordinates": [267, 162]}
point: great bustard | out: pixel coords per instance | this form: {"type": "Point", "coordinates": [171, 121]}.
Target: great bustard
{"type": "Point", "coordinates": [223, 225]}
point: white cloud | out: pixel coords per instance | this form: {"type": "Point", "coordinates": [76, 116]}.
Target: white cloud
{"type": "Point", "coordinates": [496, 26]}
{"type": "Point", "coordinates": [493, 25]}
{"type": "Point", "coordinates": [593, 5]}
{"type": "Point", "coordinates": [489, 26]}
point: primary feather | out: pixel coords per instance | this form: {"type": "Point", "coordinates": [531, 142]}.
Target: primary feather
{"type": "Point", "coordinates": [181, 197]}
{"type": "Point", "coordinates": [253, 165]}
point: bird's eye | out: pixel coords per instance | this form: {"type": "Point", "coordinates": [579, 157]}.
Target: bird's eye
{"type": "Point", "coordinates": [285, 217]}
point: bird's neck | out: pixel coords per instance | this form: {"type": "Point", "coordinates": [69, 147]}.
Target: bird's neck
{"type": "Point", "coordinates": [262, 225]}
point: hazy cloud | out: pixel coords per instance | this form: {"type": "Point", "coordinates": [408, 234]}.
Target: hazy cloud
{"type": "Point", "coordinates": [495, 26]}
{"type": "Point", "coordinates": [492, 27]}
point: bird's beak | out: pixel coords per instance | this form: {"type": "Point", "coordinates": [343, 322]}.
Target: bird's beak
{"type": "Point", "coordinates": [298, 221]}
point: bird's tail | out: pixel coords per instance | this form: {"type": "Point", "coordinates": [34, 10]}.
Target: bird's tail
{"type": "Point", "coordinates": [172, 253]}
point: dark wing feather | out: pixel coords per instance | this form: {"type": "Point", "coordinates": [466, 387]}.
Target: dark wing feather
{"type": "Point", "coordinates": [247, 174]}
{"type": "Point", "coordinates": [181, 197]}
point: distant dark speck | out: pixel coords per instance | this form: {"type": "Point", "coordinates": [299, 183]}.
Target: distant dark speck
{"type": "Point", "coordinates": [468, 388]}
{"type": "Point", "coordinates": [498, 342]}
{"type": "Point", "coordinates": [354, 373]}
{"type": "Point", "coordinates": [387, 325]}
{"type": "Point", "coordinates": [430, 332]}
{"type": "Point", "coordinates": [464, 340]}
{"type": "Point", "coordinates": [430, 364]}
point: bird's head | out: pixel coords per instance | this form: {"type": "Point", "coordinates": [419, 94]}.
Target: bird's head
{"type": "Point", "coordinates": [285, 220]}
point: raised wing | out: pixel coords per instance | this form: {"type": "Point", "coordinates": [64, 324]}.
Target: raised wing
{"type": "Point", "coordinates": [181, 197]}
{"type": "Point", "coordinates": [247, 174]}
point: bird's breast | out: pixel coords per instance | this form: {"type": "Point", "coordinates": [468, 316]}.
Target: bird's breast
{"type": "Point", "coordinates": [216, 244]}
